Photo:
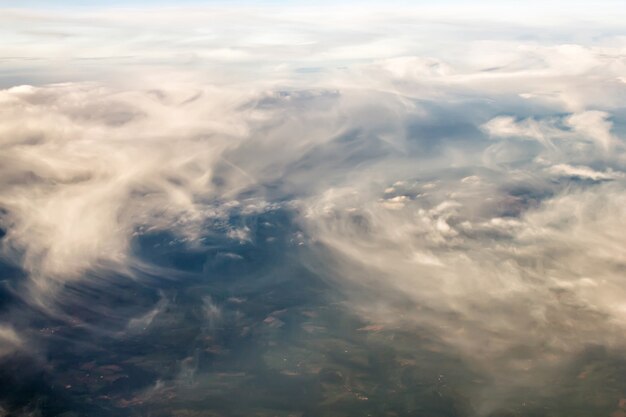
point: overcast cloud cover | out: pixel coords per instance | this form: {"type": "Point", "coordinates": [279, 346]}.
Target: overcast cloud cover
{"type": "Point", "coordinates": [457, 171]}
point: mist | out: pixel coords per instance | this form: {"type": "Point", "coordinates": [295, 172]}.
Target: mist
{"type": "Point", "coordinates": [456, 178]}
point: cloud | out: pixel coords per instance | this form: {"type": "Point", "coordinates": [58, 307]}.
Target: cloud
{"type": "Point", "coordinates": [487, 285]}
{"type": "Point", "coordinates": [10, 341]}
{"type": "Point", "coordinates": [474, 193]}
{"type": "Point", "coordinates": [84, 169]}
{"type": "Point", "coordinates": [583, 172]}
{"type": "Point", "coordinates": [88, 168]}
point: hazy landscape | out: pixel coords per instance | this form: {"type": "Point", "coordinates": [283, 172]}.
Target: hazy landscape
{"type": "Point", "coordinates": [323, 209]}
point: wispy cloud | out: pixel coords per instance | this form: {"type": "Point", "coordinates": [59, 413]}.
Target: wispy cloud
{"type": "Point", "coordinates": [480, 182]}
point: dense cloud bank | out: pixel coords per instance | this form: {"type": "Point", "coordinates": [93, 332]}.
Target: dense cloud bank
{"type": "Point", "coordinates": [479, 198]}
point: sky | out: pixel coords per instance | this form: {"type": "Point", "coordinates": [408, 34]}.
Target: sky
{"type": "Point", "coordinates": [456, 172]}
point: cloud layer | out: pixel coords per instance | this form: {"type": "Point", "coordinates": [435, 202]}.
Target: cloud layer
{"type": "Point", "coordinates": [475, 192]}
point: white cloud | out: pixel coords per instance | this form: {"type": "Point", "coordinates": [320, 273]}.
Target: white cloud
{"type": "Point", "coordinates": [583, 172]}
{"type": "Point", "coordinates": [427, 162]}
